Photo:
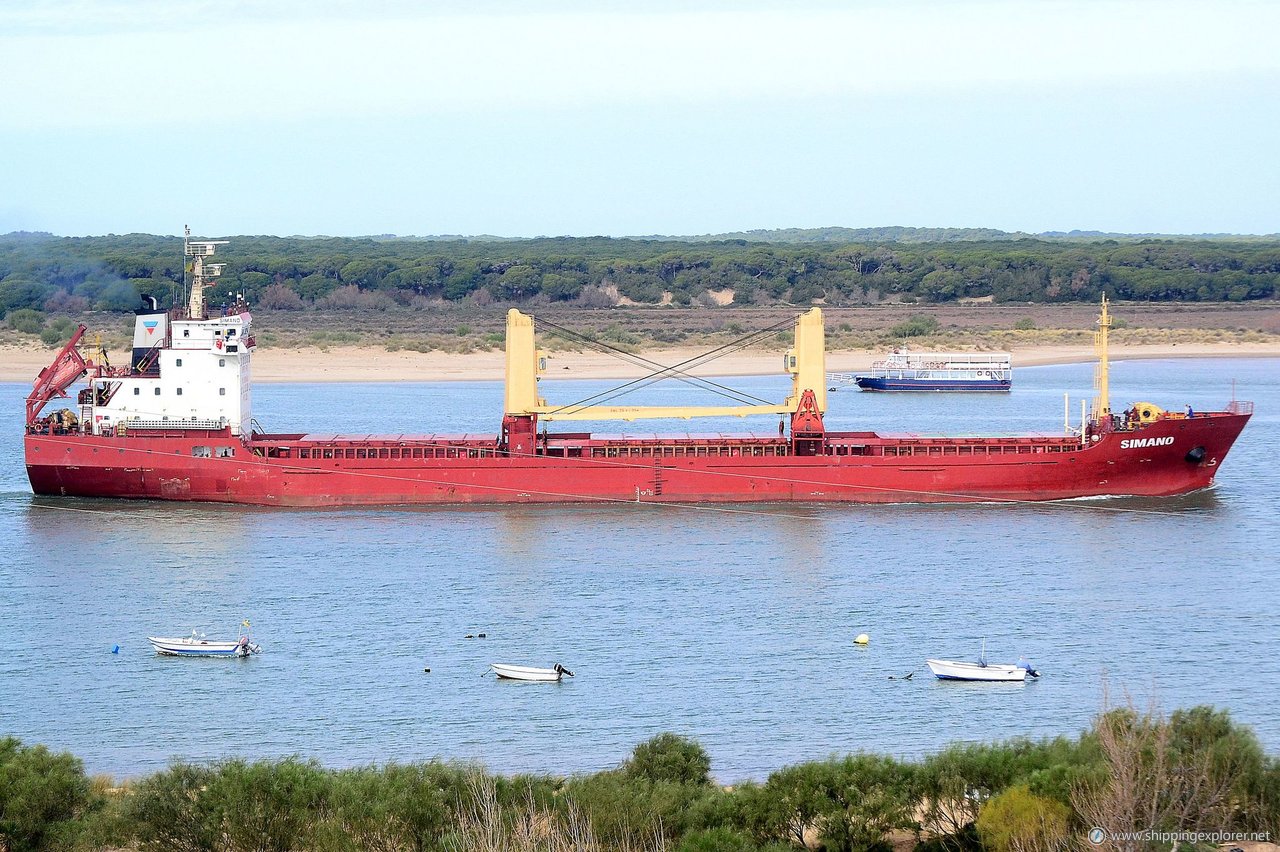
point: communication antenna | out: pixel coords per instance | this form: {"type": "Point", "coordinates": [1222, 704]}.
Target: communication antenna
{"type": "Point", "coordinates": [200, 274]}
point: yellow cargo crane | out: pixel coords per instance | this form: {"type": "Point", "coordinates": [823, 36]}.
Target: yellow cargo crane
{"type": "Point", "coordinates": [806, 361]}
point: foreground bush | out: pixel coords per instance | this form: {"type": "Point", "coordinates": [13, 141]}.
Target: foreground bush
{"type": "Point", "coordinates": [1017, 820]}
{"type": "Point", "coordinates": [1194, 770]}
{"type": "Point", "coordinates": [42, 797]}
{"type": "Point", "coordinates": [849, 803]}
{"type": "Point", "coordinates": [953, 784]}
{"type": "Point", "coordinates": [664, 789]}
{"type": "Point", "coordinates": [672, 758]}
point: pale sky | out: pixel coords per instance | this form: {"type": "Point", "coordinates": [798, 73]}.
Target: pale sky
{"type": "Point", "coordinates": [582, 118]}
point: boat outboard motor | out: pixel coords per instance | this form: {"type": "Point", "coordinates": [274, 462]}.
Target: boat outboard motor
{"type": "Point", "coordinates": [1023, 664]}
{"type": "Point", "coordinates": [562, 670]}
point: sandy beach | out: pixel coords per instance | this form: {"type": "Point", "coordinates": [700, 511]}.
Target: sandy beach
{"type": "Point", "coordinates": [372, 364]}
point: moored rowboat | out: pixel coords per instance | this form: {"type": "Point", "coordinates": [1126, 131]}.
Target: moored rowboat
{"type": "Point", "coordinates": [954, 670]}
{"type": "Point", "coordinates": [529, 673]}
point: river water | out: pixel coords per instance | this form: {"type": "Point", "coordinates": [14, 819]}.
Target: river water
{"type": "Point", "coordinates": [733, 627]}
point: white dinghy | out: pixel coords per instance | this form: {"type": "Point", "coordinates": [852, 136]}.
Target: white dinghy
{"type": "Point", "coordinates": [982, 670]}
{"type": "Point", "coordinates": [955, 670]}
{"type": "Point", "coordinates": [551, 675]}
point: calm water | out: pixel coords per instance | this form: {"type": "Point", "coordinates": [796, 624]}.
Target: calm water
{"type": "Point", "coordinates": [733, 627]}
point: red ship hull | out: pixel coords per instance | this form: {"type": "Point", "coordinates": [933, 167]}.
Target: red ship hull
{"type": "Point", "coordinates": [1172, 455]}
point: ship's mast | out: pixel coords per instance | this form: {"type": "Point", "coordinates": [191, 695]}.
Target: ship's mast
{"type": "Point", "coordinates": [1102, 400]}
{"type": "Point", "coordinates": [200, 249]}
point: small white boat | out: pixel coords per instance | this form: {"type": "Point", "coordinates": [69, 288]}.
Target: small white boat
{"type": "Point", "coordinates": [955, 670]}
{"type": "Point", "coordinates": [196, 645]}
{"type": "Point", "coordinates": [551, 675]}
{"type": "Point", "coordinates": [982, 670]}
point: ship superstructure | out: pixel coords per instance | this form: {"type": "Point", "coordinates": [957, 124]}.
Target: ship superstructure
{"type": "Point", "coordinates": [187, 367]}
{"type": "Point", "coordinates": [176, 424]}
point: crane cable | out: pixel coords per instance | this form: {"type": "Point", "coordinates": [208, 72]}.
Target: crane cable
{"type": "Point", "coordinates": [660, 372]}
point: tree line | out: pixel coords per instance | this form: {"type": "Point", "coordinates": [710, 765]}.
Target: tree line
{"type": "Point", "coordinates": [1144, 779]}
{"type": "Point", "coordinates": [69, 274]}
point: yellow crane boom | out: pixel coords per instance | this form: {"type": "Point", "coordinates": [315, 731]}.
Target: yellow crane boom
{"type": "Point", "coordinates": [806, 361]}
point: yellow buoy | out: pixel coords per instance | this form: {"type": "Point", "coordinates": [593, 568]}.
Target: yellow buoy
{"type": "Point", "coordinates": [861, 639]}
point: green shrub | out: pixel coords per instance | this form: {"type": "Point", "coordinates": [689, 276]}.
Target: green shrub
{"type": "Point", "coordinates": [852, 802]}
{"type": "Point", "coordinates": [265, 806]}
{"type": "Point", "coordinates": [916, 326]}
{"type": "Point", "coordinates": [41, 795]}
{"type": "Point", "coordinates": [106, 823]}
{"type": "Point", "coordinates": [1025, 324]}
{"type": "Point", "coordinates": [395, 806]}
{"type": "Point", "coordinates": [168, 812]}
{"type": "Point", "coordinates": [964, 840]}
{"type": "Point", "coordinates": [669, 757]}
{"type": "Point", "coordinates": [1017, 820]}
{"type": "Point", "coordinates": [1226, 758]}
{"type": "Point", "coordinates": [57, 330]}
{"type": "Point", "coordinates": [618, 334]}
{"type": "Point", "coordinates": [955, 782]}
{"type": "Point", "coordinates": [1194, 771]}
{"type": "Point", "coordinates": [725, 840]}
{"type": "Point", "coordinates": [1267, 799]}
{"type": "Point", "coordinates": [26, 320]}
{"type": "Point", "coordinates": [621, 808]}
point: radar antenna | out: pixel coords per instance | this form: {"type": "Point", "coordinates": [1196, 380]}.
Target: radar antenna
{"type": "Point", "coordinates": [200, 274]}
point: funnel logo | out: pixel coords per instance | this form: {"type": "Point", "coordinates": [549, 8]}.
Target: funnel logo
{"type": "Point", "coordinates": [150, 325]}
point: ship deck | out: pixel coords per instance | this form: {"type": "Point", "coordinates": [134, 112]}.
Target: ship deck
{"type": "Point", "coordinates": [588, 445]}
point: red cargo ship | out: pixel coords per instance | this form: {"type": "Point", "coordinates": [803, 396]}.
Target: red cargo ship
{"type": "Point", "coordinates": [175, 424]}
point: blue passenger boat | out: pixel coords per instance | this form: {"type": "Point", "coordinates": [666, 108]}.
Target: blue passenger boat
{"type": "Point", "coordinates": [903, 370]}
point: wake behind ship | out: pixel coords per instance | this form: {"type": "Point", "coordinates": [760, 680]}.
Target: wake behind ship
{"type": "Point", "coordinates": [176, 424]}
